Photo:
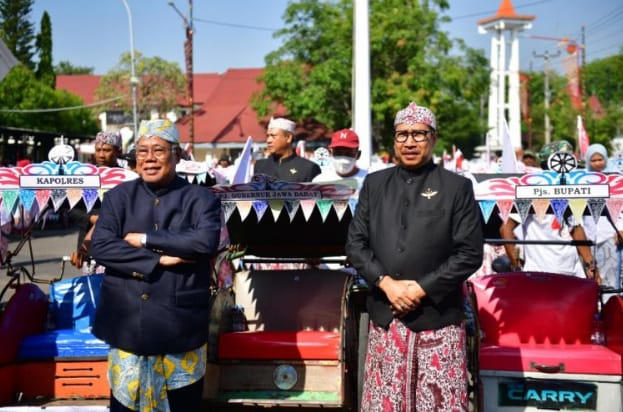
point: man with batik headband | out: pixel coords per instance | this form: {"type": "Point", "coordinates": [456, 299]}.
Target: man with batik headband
{"type": "Point", "coordinates": [108, 149]}
{"type": "Point", "coordinates": [107, 154]}
{"type": "Point", "coordinates": [156, 236]}
{"type": "Point", "coordinates": [282, 162]}
{"type": "Point", "coordinates": [416, 237]}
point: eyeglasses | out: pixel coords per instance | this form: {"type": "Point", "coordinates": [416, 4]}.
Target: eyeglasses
{"type": "Point", "coordinates": [158, 151]}
{"type": "Point", "coordinates": [419, 136]}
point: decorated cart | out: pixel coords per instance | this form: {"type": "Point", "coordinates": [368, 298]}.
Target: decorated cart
{"type": "Point", "coordinates": [546, 340]}
{"type": "Point", "coordinates": [291, 332]}
{"type": "Point", "coordinates": [47, 351]}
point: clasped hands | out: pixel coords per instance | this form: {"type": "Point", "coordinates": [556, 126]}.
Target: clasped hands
{"type": "Point", "coordinates": [404, 295]}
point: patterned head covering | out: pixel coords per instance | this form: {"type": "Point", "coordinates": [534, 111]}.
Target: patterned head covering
{"type": "Point", "coordinates": [413, 114]}
{"type": "Point", "coordinates": [554, 147]}
{"type": "Point", "coordinates": [281, 123]}
{"type": "Point", "coordinates": [162, 128]}
{"type": "Point", "coordinates": [111, 138]}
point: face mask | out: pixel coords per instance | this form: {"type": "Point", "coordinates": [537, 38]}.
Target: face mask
{"type": "Point", "coordinates": [343, 164]}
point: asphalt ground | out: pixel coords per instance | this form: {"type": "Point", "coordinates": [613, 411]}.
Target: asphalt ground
{"type": "Point", "coordinates": [49, 244]}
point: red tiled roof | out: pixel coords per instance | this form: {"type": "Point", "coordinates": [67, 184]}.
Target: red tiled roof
{"type": "Point", "coordinates": [506, 11]}
{"type": "Point", "coordinates": [223, 113]}
{"type": "Point", "coordinates": [82, 85]}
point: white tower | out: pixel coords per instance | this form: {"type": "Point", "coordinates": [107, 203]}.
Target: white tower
{"type": "Point", "coordinates": [505, 22]}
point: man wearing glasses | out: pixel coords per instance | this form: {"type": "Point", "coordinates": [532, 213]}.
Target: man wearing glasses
{"type": "Point", "coordinates": [282, 162]}
{"type": "Point", "coordinates": [416, 237]}
{"type": "Point", "coordinates": [156, 236]}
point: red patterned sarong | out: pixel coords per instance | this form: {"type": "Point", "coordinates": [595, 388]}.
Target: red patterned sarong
{"type": "Point", "coordinates": [415, 371]}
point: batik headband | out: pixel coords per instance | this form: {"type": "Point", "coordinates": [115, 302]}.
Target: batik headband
{"type": "Point", "coordinates": [162, 128]}
{"type": "Point", "coordinates": [281, 123]}
{"type": "Point", "coordinates": [413, 114]}
{"type": "Point", "coordinates": [111, 138]}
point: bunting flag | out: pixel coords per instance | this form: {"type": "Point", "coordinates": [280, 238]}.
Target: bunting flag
{"type": "Point", "coordinates": [614, 207]}
{"type": "Point", "coordinates": [340, 207]}
{"type": "Point", "coordinates": [577, 207]}
{"type": "Point", "coordinates": [571, 68]}
{"type": "Point", "coordinates": [292, 206]}
{"type": "Point", "coordinates": [486, 208]}
{"type": "Point", "coordinates": [559, 206]}
{"type": "Point", "coordinates": [89, 196]}
{"type": "Point", "coordinates": [9, 200]}
{"type": "Point", "coordinates": [324, 206]}
{"type": "Point", "coordinates": [595, 207]}
{"type": "Point", "coordinates": [42, 196]}
{"type": "Point", "coordinates": [540, 207]}
{"type": "Point", "coordinates": [228, 209]}
{"type": "Point", "coordinates": [276, 206]}
{"type": "Point", "coordinates": [244, 208]}
{"type": "Point", "coordinates": [308, 205]}
{"type": "Point", "coordinates": [27, 198]}
{"type": "Point", "coordinates": [58, 196]}
{"type": "Point", "coordinates": [505, 207]}
{"type": "Point", "coordinates": [523, 207]}
{"type": "Point", "coordinates": [74, 196]}
{"type": "Point", "coordinates": [260, 207]}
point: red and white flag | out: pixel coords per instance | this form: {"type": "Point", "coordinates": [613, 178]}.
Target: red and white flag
{"type": "Point", "coordinates": [583, 140]}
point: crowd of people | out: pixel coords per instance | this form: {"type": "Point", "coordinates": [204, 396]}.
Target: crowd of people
{"type": "Point", "coordinates": [151, 231]}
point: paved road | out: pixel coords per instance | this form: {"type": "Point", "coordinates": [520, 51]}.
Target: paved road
{"type": "Point", "coordinates": [48, 248]}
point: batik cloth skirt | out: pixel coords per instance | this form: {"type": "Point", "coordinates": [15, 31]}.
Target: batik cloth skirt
{"type": "Point", "coordinates": [415, 371]}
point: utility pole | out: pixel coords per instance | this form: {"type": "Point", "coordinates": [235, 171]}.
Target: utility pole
{"type": "Point", "coordinates": [133, 78]}
{"type": "Point", "coordinates": [547, 94]}
{"type": "Point", "coordinates": [188, 54]}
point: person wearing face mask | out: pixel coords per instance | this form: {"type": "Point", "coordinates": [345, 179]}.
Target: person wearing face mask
{"type": "Point", "coordinates": [344, 150]}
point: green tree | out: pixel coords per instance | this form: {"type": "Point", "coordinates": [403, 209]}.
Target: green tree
{"type": "Point", "coordinates": [31, 104]}
{"type": "Point", "coordinates": [16, 29]}
{"type": "Point", "coordinates": [161, 85]}
{"type": "Point", "coordinates": [45, 71]}
{"type": "Point", "coordinates": [411, 59]}
{"type": "Point", "coordinates": [65, 67]}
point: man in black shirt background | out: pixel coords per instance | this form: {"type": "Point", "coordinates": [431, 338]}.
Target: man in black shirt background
{"type": "Point", "coordinates": [282, 162]}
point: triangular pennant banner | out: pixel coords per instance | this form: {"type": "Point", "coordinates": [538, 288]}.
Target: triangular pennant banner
{"type": "Point", "coordinates": [307, 205]}
{"type": "Point", "coordinates": [324, 206]}
{"type": "Point", "coordinates": [58, 197]}
{"type": "Point", "coordinates": [9, 199]}
{"type": "Point", "coordinates": [27, 198]}
{"type": "Point", "coordinates": [228, 209]}
{"type": "Point", "coordinates": [292, 206]}
{"type": "Point", "coordinates": [486, 207]}
{"type": "Point", "coordinates": [90, 197]}
{"type": "Point", "coordinates": [577, 207]}
{"type": "Point", "coordinates": [595, 207]}
{"type": "Point", "coordinates": [201, 178]}
{"type": "Point", "coordinates": [523, 207]}
{"type": "Point", "coordinates": [559, 206]}
{"type": "Point", "coordinates": [244, 208]}
{"type": "Point", "coordinates": [340, 207]}
{"type": "Point", "coordinates": [260, 207]}
{"type": "Point", "coordinates": [73, 196]}
{"type": "Point", "coordinates": [540, 208]}
{"type": "Point", "coordinates": [276, 206]}
{"type": "Point", "coordinates": [614, 208]}
{"type": "Point", "coordinates": [42, 196]}
{"type": "Point", "coordinates": [505, 207]}
{"type": "Point", "coordinates": [190, 178]}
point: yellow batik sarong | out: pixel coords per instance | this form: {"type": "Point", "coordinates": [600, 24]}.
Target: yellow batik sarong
{"type": "Point", "coordinates": [141, 382]}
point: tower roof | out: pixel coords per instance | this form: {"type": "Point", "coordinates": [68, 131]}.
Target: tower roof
{"type": "Point", "coordinates": [506, 11]}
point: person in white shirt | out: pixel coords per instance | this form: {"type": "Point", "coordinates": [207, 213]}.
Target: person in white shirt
{"type": "Point", "coordinates": [344, 150]}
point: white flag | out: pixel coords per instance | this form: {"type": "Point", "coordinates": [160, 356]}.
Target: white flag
{"type": "Point", "coordinates": [243, 168]}
{"type": "Point", "coordinates": [509, 159]}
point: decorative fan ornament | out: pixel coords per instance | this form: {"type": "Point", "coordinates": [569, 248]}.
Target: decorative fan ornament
{"type": "Point", "coordinates": [561, 162]}
{"type": "Point", "coordinates": [61, 154]}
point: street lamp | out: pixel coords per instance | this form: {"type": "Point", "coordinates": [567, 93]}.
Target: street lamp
{"type": "Point", "coordinates": [133, 78]}
{"type": "Point", "coordinates": [188, 53]}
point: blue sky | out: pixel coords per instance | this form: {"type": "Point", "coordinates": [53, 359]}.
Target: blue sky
{"type": "Point", "coordinates": [239, 33]}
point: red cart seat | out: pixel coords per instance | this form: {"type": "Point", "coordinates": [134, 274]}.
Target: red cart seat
{"type": "Point", "coordinates": [540, 322]}
{"type": "Point", "coordinates": [298, 345]}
